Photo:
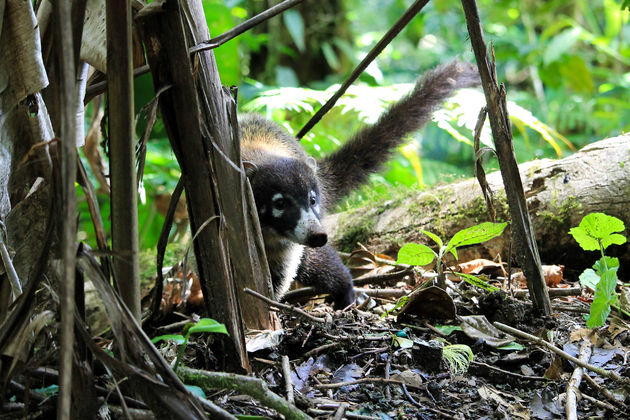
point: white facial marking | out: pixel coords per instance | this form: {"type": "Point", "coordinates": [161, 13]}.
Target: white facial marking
{"type": "Point", "coordinates": [277, 213]}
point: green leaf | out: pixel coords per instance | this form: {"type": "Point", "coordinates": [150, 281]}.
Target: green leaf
{"type": "Point", "coordinates": [589, 278]}
{"type": "Point", "coordinates": [598, 227]}
{"type": "Point", "coordinates": [478, 281]}
{"type": "Point", "coordinates": [295, 26]}
{"type": "Point", "coordinates": [415, 254]}
{"type": "Point", "coordinates": [512, 346]}
{"type": "Point", "coordinates": [208, 325]}
{"type": "Point", "coordinates": [177, 338]}
{"type": "Point", "coordinates": [476, 234]}
{"type": "Point", "coordinates": [433, 236]}
{"type": "Point", "coordinates": [448, 329]}
{"type": "Point", "coordinates": [612, 263]}
{"type": "Point", "coordinates": [605, 296]}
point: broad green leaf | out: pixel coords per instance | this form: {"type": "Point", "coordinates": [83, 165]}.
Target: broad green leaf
{"type": "Point", "coordinates": [177, 338]}
{"type": "Point", "coordinates": [598, 227]}
{"type": "Point", "coordinates": [415, 254]}
{"type": "Point", "coordinates": [433, 236]}
{"type": "Point", "coordinates": [605, 296]}
{"type": "Point", "coordinates": [612, 263]}
{"type": "Point", "coordinates": [476, 234]}
{"type": "Point", "coordinates": [478, 281]}
{"type": "Point", "coordinates": [448, 329]}
{"type": "Point", "coordinates": [512, 346]}
{"type": "Point", "coordinates": [589, 278]}
{"type": "Point", "coordinates": [295, 26]}
{"type": "Point", "coordinates": [208, 325]}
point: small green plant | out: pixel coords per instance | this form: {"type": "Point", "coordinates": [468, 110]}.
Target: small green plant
{"type": "Point", "coordinates": [597, 231]}
{"type": "Point", "coordinates": [458, 357]}
{"type": "Point", "coordinates": [418, 254]}
{"type": "Point", "coordinates": [204, 325]}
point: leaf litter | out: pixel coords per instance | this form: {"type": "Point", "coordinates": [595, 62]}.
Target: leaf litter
{"type": "Point", "coordinates": [387, 360]}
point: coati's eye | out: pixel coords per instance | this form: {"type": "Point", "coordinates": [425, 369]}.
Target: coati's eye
{"type": "Point", "coordinates": [312, 198]}
{"type": "Point", "coordinates": [279, 203]}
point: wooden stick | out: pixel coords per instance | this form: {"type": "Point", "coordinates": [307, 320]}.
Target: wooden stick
{"type": "Point", "coordinates": [285, 307]}
{"type": "Point", "coordinates": [600, 371]}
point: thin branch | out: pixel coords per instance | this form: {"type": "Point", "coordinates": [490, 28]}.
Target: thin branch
{"type": "Point", "coordinates": [600, 371]}
{"type": "Point", "coordinates": [409, 14]}
{"type": "Point", "coordinates": [288, 384]}
{"type": "Point", "coordinates": [573, 386]}
{"type": "Point", "coordinates": [243, 27]}
{"type": "Point", "coordinates": [65, 55]}
{"type": "Point", "coordinates": [285, 307]}
{"type": "Point", "coordinates": [253, 387]}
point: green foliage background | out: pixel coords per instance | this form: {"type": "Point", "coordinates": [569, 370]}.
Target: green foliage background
{"type": "Point", "coordinates": [566, 67]}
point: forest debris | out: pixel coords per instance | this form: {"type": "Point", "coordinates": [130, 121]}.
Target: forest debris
{"type": "Point", "coordinates": [288, 384]}
{"type": "Point", "coordinates": [600, 371]}
{"type": "Point", "coordinates": [429, 302]}
{"type": "Point", "coordinates": [480, 266]}
{"type": "Point", "coordinates": [286, 307]}
{"type": "Point", "coordinates": [478, 327]}
{"type": "Point", "coordinates": [553, 276]}
{"type": "Point", "coordinates": [362, 262]}
{"type": "Point", "coordinates": [263, 340]}
{"type": "Point", "coordinates": [573, 386]}
{"type": "Point", "coordinates": [253, 387]}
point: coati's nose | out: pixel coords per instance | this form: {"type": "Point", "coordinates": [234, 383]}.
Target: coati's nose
{"type": "Point", "coordinates": [317, 239]}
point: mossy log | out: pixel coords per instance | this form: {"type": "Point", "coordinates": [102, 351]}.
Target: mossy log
{"type": "Point", "coordinates": [559, 193]}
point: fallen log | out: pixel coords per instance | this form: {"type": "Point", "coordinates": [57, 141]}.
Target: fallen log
{"type": "Point", "coordinates": [559, 193]}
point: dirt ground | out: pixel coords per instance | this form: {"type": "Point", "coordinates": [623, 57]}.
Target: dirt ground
{"type": "Point", "coordinates": [440, 356]}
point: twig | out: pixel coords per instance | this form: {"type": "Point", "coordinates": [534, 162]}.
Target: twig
{"type": "Point", "coordinates": [341, 411]}
{"type": "Point", "coordinates": [553, 292]}
{"type": "Point", "coordinates": [288, 384]}
{"type": "Point", "coordinates": [381, 381]}
{"type": "Point", "coordinates": [388, 391]}
{"type": "Point", "coordinates": [248, 24]}
{"type": "Point", "coordinates": [600, 371]}
{"type": "Point", "coordinates": [508, 373]}
{"type": "Point", "coordinates": [424, 407]}
{"type": "Point", "coordinates": [573, 386]}
{"type": "Point", "coordinates": [349, 416]}
{"type": "Point", "coordinates": [380, 46]}
{"type": "Point", "coordinates": [382, 278]}
{"type": "Point", "coordinates": [285, 307]}
{"type": "Point", "coordinates": [357, 337]}
{"type": "Point", "coordinates": [606, 393]}
{"type": "Point", "coordinates": [599, 403]}
{"type": "Point", "coordinates": [320, 349]}
{"type": "Point", "coordinates": [253, 387]}
{"type": "Point", "coordinates": [383, 293]}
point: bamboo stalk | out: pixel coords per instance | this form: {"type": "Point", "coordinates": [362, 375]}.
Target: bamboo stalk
{"type": "Point", "coordinates": [64, 41]}
{"type": "Point", "coordinates": [124, 203]}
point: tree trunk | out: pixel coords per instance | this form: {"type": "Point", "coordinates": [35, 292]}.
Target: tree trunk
{"type": "Point", "coordinates": [559, 193]}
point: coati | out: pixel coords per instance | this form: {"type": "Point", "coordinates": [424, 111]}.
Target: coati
{"type": "Point", "coordinates": [292, 191]}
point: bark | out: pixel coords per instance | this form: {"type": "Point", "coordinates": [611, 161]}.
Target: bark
{"type": "Point", "coordinates": [559, 193]}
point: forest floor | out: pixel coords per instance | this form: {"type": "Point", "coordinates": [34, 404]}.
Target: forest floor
{"type": "Point", "coordinates": [440, 356]}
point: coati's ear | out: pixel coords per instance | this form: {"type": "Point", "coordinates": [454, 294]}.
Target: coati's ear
{"type": "Point", "coordinates": [250, 168]}
{"type": "Point", "coordinates": [312, 163]}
